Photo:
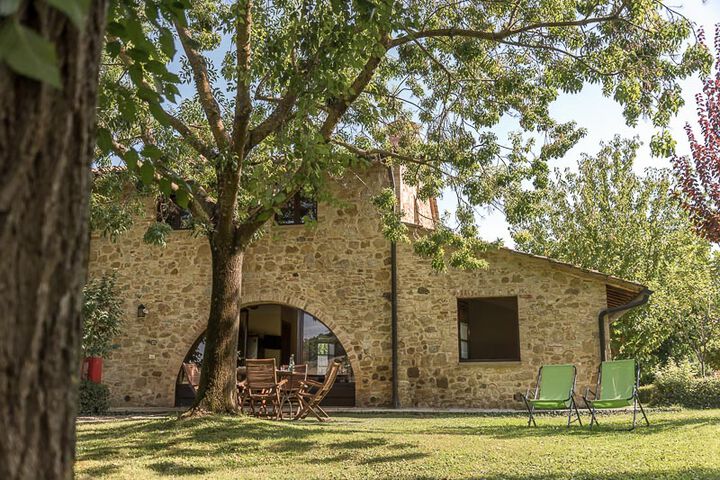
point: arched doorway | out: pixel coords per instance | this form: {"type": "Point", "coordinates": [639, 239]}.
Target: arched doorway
{"type": "Point", "coordinates": [277, 331]}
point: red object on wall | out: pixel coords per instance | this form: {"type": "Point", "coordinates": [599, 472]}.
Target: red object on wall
{"type": "Point", "coordinates": [92, 369]}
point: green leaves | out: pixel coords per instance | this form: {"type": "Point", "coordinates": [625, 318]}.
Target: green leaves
{"type": "Point", "coordinates": [147, 172]}
{"type": "Point", "coordinates": [29, 54]}
{"type": "Point", "coordinates": [182, 197]}
{"type": "Point", "coordinates": [157, 233]}
{"type": "Point", "coordinates": [433, 100]}
{"type": "Point", "coordinates": [393, 226]}
{"type": "Point", "coordinates": [167, 42]}
{"type": "Point", "coordinates": [104, 140]}
{"type": "Point", "coordinates": [102, 314]}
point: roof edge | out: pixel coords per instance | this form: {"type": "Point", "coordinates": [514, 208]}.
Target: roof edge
{"type": "Point", "coordinates": [608, 279]}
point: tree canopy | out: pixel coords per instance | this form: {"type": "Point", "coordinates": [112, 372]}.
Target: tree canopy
{"type": "Point", "coordinates": [285, 93]}
{"type": "Point", "coordinates": [608, 218]}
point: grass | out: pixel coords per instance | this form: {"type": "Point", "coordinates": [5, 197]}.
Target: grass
{"type": "Point", "coordinates": [678, 445]}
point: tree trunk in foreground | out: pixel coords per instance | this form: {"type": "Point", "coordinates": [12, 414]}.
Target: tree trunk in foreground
{"type": "Point", "coordinates": [46, 143]}
{"type": "Point", "coordinates": [217, 392]}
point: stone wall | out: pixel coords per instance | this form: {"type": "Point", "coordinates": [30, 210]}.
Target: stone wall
{"type": "Point", "coordinates": [414, 210]}
{"type": "Point", "coordinates": [557, 314]}
{"type": "Point", "coordinates": [339, 271]}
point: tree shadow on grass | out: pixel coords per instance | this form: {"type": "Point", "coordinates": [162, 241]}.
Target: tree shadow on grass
{"type": "Point", "coordinates": [174, 469]}
{"type": "Point", "coordinates": [100, 471]}
{"type": "Point", "coordinates": [349, 441]}
{"type": "Point", "coordinates": [399, 457]}
{"type": "Point", "coordinates": [213, 436]}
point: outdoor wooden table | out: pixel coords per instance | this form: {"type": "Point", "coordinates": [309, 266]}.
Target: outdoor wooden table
{"type": "Point", "coordinates": [289, 390]}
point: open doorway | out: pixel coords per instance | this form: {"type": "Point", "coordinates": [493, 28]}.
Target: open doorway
{"type": "Point", "coordinates": [278, 331]}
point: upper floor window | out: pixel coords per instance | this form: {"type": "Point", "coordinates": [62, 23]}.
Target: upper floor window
{"type": "Point", "coordinates": [169, 212]}
{"type": "Point", "coordinates": [297, 211]}
{"type": "Point", "coordinates": [488, 329]}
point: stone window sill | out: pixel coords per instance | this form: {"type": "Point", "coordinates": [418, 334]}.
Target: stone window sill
{"type": "Point", "coordinates": [290, 225]}
{"type": "Point", "coordinates": [485, 363]}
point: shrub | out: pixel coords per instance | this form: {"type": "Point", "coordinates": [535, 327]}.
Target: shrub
{"type": "Point", "coordinates": [676, 384]}
{"type": "Point", "coordinates": [93, 398]}
{"type": "Point", "coordinates": [101, 313]}
{"type": "Point", "coordinates": [647, 394]}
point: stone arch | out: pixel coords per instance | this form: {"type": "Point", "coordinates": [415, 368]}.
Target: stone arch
{"type": "Point", "coordinates": [316, 311]}
{"type": "Point", "coordinates": [266, 298]}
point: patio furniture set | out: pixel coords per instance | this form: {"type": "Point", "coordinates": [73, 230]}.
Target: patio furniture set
{"type": "Point", "coordinates": [266, 390]}
{"type": "Point", "coordinates": [617, 387]}
{"type": "Point", "coordinates": [285, 392]}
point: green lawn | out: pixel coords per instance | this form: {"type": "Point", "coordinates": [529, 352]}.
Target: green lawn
{"type": "Point", "coordinates": [683, 444]}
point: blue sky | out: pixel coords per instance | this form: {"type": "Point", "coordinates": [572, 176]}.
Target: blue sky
{"type": "Point", "coordinates": [603, 119]}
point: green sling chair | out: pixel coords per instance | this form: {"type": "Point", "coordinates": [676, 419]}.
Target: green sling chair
{"type": "Point", "coordinates": [554, 390]}
{"type": "Point", "coordinates": [617, 387]}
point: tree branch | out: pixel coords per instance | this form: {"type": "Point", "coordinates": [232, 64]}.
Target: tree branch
{"type": "Point", "coordinates": [203, 87]}
{"type": "Point", "coordinates": [378, 154]}
{"type": "Point", "coordinates": [501, 34]}
{"type": "Point", "coordinates": [282, 113]}
{"type": "Point", "coordinates": [274, 121]}
{"type": "Point", "coordinates": [243, 103]}
{"type": "Point", "coordinates": [551, 48]}
{"type": "Point", "coordinates": [201, 205]}
{"type": "Point", "coordinates": [180, 127]}
{"type": "Point", "coordinates": [337, 106]}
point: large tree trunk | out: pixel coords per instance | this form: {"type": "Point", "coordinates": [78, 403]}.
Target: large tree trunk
{"type": "Point", "coordinates": [46, 143]}
{"type": "Point", "coordinates": [217, 391]}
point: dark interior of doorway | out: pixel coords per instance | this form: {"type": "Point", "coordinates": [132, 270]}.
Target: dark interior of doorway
{"type": "Point", "coordinates": [278, 331]}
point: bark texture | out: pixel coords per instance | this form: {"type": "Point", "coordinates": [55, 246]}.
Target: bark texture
{"type": "Point", "coordinates": [46, 143]}
{"type": "Point", "coordinates": [218, 392]}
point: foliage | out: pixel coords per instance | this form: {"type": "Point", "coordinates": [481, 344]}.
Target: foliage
{"type": "Point", "coordinates": [606, 217]}
{"type": "Point", "coordinates": [156, 234]}
{"type": "Point", "coordinates": [678, 384]}
{"type": "Point", "coordinates": [25, 51]}
{"type": "Point", "coordinates": [698, 174]}
{"type": "Point", "coordinates": [113, 202]}
{"type": "Point", "coordinates": [700, 325]}
{"type": "Point", "coordinates": [94, 398]}
{"type": "Point", "coordinates": [283, 100]}
{"type": "Point", "coordinates": [101, 314]}
{"type": "Point", "coordinates": [679, 446]}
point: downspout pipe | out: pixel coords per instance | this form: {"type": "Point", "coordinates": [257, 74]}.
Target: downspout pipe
{"type": "Point", "coordinates": [394, 323]}
{"type": "Point", "coordinates": [394, 311]}
{"type": "Point", "coordinates": [641, 299]}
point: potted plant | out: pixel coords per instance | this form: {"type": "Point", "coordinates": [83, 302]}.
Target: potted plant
{"type": "Point", "coordinates": [101, 314]}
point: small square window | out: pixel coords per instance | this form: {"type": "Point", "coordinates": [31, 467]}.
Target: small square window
{"type": "Point", "coordinates": [169, 212]}
{"type": "Point", "coordinates": [298, 209]}
{"type": "Point", "coordinates": [488, 329]}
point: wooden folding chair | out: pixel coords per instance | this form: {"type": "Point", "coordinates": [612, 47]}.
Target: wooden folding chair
{"type": "Point", "coordinates": [310, 401]}
{"type": "Point", "coordinates": [262, 387]}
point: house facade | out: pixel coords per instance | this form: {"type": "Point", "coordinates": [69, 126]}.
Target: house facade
{"type": "Point", "coordinates": [339, 288]}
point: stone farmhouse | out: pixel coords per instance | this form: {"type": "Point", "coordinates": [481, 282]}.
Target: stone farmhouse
{"type": "Point", "coordinates": [409, 336]}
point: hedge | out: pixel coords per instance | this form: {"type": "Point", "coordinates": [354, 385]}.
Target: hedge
{"type": "Point", "coordinates": [677, 385]}
{"type": "Point", "coordinates": [93, 398]}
